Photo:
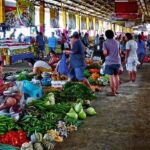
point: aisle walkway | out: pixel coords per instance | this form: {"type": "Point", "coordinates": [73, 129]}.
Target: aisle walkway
{"type": "Point", "coordinates": [122, 123]}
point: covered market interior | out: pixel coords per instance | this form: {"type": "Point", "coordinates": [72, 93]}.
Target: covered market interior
{"type": "Point", "coordinates": [74, 74]}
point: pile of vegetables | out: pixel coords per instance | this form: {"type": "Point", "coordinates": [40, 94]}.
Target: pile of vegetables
{"type": "Point", "coordinates": [7, 124]}
{"type": "Point", "coordinates": [62, 110]}
{"type": "Point", "coordinates": [73, 91]}
{"type": "Point", "coordinates": [14, 138]}
{"type": "Point", "coordinates": [77, 112]}
{"type": "Point", "coordinates": [43, 117]}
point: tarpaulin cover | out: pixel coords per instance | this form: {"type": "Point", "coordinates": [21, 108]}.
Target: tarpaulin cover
{"type": "Point", "coordinates": [126, 7]}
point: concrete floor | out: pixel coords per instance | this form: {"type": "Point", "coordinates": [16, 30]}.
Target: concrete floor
{"type": "Point", "coordinates": [122, 122]}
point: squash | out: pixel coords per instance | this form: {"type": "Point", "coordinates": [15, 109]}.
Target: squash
{"type": "Point", "coordinates": [38, 146]}
{"type": "Point", "coordinates": [48, 145]}
{"type": "Point", "coordinates": [53, 133]}
{"type": "Point", "coordinates": [58, 139]}
{"type": "Point", "coordinates": [27, 146]}
{"type": "Point", "coordinates": [95, 76]}
{"type": "Point", "coordinates": [36, 137]}
{"type": "Point", "coordinates": [48, 137]}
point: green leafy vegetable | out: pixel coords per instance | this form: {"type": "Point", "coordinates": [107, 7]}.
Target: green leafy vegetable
{"type": "Point", "coordinates": [87, 73]}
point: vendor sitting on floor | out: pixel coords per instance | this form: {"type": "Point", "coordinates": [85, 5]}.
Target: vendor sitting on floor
{"type": "Point", "coordinates": [39, 67]}
{"type": "Point", "coordinates": [53, 60]}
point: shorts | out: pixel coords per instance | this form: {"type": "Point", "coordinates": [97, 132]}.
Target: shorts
{"type": "Point", "coordinates": [112, 69]}
{"type": "Point", "coordinates": [77, 73]}
{"type": "Point", "coordinates": [131, 65]}
{"type": "Point", "coordinates": [141, 56]}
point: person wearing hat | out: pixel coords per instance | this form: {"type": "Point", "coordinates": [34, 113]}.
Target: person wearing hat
{"type": "Point", "coordinates": [77, 62]}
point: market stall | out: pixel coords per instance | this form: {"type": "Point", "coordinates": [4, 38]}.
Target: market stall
{"type": "Point", "coordinates": [12, 52]}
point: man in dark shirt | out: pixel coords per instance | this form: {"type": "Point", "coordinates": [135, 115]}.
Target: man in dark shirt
{"type": "Point", "coordinates": [40, 41]}
{"type": "Point", "coordinates": [77, 61]}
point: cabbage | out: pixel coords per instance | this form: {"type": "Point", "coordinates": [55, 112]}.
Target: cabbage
{"type": "Point", "coordinates": [73, 115]}
{"type": "Point", "coordinates": [71, 110]}
{"type": "Point", "coordinates": [78, 107]}
{"type": "Point", "coordinates": [82, 114]}
{"type": "Point", "coordinates": [91, 111]}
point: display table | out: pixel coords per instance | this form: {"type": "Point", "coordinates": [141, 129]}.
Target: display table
{"type": "Point", "coordinates": [16, 58]}
{"type": "Point", "coordinates": [11, 53]}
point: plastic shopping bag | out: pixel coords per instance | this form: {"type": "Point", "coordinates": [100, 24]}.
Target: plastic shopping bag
{"type": "Point", "coordinates": [63, 68]}
{"type": "Point", "coordinates": [102, 69]}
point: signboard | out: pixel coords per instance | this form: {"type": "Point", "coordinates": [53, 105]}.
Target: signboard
{"type": "Point", "coordinates": [72, 20]}
{"type": "Point", "coordinates": [83, 23]}
{"type": "Point", "coordinates": [21, 15]}
{"type": "Point", "coordinates": [54, 18]}
{"type": "Point", "coordinates": [91, 23]}
{"type": "Point", "coordinates": [96, 24]}
{"type": "Point", "coordinates": [126, 7]}
{"type": "Point", "coordinates": [129, 24]}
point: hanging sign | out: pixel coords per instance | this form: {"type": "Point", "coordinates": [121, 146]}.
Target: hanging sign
{"type": "Point", "coordinates": [91, 23]}
{"type": "Point", "coordinates": [126, 7]}
{"type": "Point", "coordinates": [96, 24]}
{"type": "Point", "coordinates": [129, 24]}
{"type": "Point", "coordinates": [72, 20]}
{"type": "Point", "coordinates": [21, 15]}
{"type": "Point", "coordinates": [54, 18]}
{"type": "Point", "coordinates": [25, 12]}
{"type": "Point", "coordinates": [83, 23]}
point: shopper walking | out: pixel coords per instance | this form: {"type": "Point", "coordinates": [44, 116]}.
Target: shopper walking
{"type": "Point", "coordinates": [96, 41]}
{"type": "Point", "coordinates": [63, 41]}
{"type": "Point", "coordinates": [40, 41]}
{"type": "Point", "coordinates": [52, 42]}
{"type": "Point", "coordinates": [112, 61]}
{"type": "Point", "coordinates": [123, 48]}
{"type": "Point", "coordinates": [101, 42]}
{"type": "Point", "coordinates": [77, 59]}
{"type": "Point", "coordinates": [131, 57]}
{"type": "Point", "coordinates": [141, 51]}
{"type": "Point", "coordinates": [85, 40]}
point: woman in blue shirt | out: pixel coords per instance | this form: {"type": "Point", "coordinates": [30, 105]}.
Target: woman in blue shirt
{"type": "Point", "coordinates": [141, 51]}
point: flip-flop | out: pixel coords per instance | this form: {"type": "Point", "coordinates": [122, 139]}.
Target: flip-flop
{"type": "Point", "coordinates": [110, 94]}
{"type": "Point", "coordinates": [117, 92]}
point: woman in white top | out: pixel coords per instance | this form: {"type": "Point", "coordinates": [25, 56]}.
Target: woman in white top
{"type": "Point", "coordinates": [131, 57]}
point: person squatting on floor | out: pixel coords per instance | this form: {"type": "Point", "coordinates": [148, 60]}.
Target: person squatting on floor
{"type": "Point", "coordinates": [112, 61]}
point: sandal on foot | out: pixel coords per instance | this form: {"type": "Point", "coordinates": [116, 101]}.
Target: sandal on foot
{"type": "Point", "coordinates": [111, 94]}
